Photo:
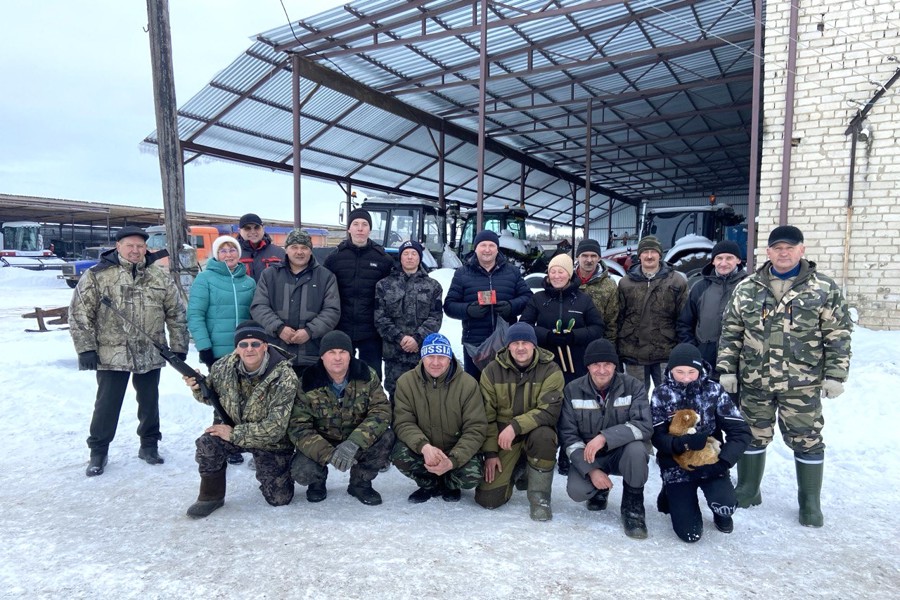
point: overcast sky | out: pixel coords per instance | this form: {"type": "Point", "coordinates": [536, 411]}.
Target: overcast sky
{"type": "Point", "coordinates": [77, 100]}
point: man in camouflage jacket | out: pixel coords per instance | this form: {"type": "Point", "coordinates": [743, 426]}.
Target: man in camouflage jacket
{"type": "Point", "coordinates": [341, 417]}
{"type": "Point", "coordinates": [785, 343]}
{"type": "Point", "coordinates": [256, 387]}
{"type": "Point", "coordinates": [596, 282]}
{"type": "Point", "coordinates": [106, 344]}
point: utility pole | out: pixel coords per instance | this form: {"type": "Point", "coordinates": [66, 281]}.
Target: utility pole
{"type": "Point", "coordinates": [182, 263]}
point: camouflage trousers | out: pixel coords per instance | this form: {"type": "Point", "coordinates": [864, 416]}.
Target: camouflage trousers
{"type": "Point", "coordinates": [394, 367]}
{"type": "Point", "coordinates": [539, 446]}
{"type": "Point", "coordinates": [413, 466]}
{"type": "Point", "coordinates": [273, 467]}
{"type": "Point", "coordinates": [799, 414]}
{"type": "Point", "coordinates": [369, 462]}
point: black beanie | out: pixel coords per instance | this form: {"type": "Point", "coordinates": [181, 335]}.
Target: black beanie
{"type": "Point", "coordinates": [335, 340]}
{"type": "Point", "coordinates": [487, 236]}
{"type": "Point", "coordinates": [588, 245]}
{"type": "Point", "coordinates": [601, 350]}
{"type": "Point", "coordinates": [250, 329]}
{"type": "Point", "coordinates": [359, 213]}
{"type": "Point", "coordinates": [726, 247]}
{"type": "Point", "coordinates": [685, 355]}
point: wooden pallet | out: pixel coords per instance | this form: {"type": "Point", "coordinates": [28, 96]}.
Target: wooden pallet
{"type": "Point", "coordinates": [54, 316]}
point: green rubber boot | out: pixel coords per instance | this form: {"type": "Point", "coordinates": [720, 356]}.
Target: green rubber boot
{"type": "Point", "coordinates": [809, 488]}
{"type": "Point", "coordinates": [750, 468]}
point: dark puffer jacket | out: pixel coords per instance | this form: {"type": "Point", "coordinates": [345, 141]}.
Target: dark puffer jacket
{"type": "Point", "coordinates": [358, 269]}
{"type": "Point", "coordinates": [471, 278]}
{"type": "Point", "coordinates": [700, 322]}
{"type": "Point", "coordinates": [550, 306]}
{"type": "Point", "coordinates": [648, 311]}
{"type": "Point", "coordinates": [257, 259]}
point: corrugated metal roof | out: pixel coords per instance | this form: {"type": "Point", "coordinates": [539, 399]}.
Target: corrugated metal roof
{"type": "Point", "coordinates": [669, 80]}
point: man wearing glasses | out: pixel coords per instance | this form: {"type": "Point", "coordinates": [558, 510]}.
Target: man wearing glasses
{"type": "Point", "coordinates": [256, 387]}
{"type": "Point", "coordinates": [257, 249]}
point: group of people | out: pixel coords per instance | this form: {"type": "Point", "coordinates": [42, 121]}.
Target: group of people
{"type": "Point", "coordinates": [295, 351]}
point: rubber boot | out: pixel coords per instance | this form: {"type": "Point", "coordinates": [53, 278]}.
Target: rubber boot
{"type": "Point", "coordinates": [211, 497]}
{"type": "Point", "coordinates": [750, 468]}
{"type": "Point", "coordinates": [540, 484]}
{"type": "Point", "coordinates": [633, 512]}
{"type": "Point", "coordinates": [809, 488]}
{"type": "Point", "coordinates": [363, 491]}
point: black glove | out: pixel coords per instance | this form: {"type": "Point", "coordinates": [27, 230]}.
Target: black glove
{"type": "Point", "coordinates": [693, 441]}
{"type": "Point", "coordinates": [477, 311]}
{"type": "Point", "coordinates": [181, 355]}
{"type": "Point", "coordinates": [207, 358]}
{"type": "Point", "coordinates": [717, 469]}
{"type": "Point", "coordinates": [344, 455]}
{"type": "Point", "coordinates": [88, 361]}
{"type": "Point", "coordinates": [504, 309]}
{"type": "Point", "coordinates": [559, 339]}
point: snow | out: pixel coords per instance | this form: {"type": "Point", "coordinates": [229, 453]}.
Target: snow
{"type": "Point", "coordinates": [125, 535]}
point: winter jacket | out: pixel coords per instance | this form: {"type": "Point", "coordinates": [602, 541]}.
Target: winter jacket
{"type": "Point", "coordinates": [406, 305]}
{"type": "Point", "coordinates": [321, 420]}
{"type": "Point", "coordinates": [471, 278]}
{"type": "Point", "coordinates": [258, 259]}
{"type": "Point", "coordinates": [358, 269]}
{"type": "Point", "coordinates": [700, 321]}
{"type": "Point", "coordinates": [524, 399]}
{"type": "Point", "coordinates": [446, 412]}
{"type": "Point", "coordinates": [648, 311]}
{"type": "Point", "coordinates": [603, 291]}
{"type": "Point", "coordinates": [310, 302]}
{"type": "Point", "coordinates": [551, 306]}
{"type": "Point", "coordinates": [219, 300]}
{"type": "Point", "coordinates": [623, 417]}
{"type": "Point", "coordinates": [794, 343]}
{"type": "Point", "coordinates": [260, 407]}
{"type": "Point", "coordinates": [718, 415]}
{"type": "Point", "coordinates": [147, 296]}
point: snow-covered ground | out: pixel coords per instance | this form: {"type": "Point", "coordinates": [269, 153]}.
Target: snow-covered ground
{"type": "Point", "coordinates": [125, 534]}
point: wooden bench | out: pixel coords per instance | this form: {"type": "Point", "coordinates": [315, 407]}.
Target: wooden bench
{"type": "Point", "coordinates": [55, 316]}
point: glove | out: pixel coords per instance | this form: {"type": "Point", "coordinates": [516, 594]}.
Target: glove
{"type": "Point", "coordinates": [832, 388]}
{"type": "Point", "coordinates": [717, 469]}
{"type": "Point", "coordinates": [729, 382]}
{"type": "Point", "coordinates": [181, 355]}
{"type": "Point", "coordinates": [88, 361]}
{"type": "Point", "coordinates": [344, 455]}
{"type": "Point", "coordinates": [477, 311]}
{"type": "Point", "coordinates": [207, 358]}
{"type": "Point", "coordinates": [692, 441]}
{"type": "Point", "coordinates": [559, 339]}
{"type": "Point", "coordinates": [504, 309]}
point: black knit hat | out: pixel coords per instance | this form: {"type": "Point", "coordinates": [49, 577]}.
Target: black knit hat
{"type": "Point", "coordinates": [685, 355]}
{"type": "Point", "coordinates": [131, 230]}
{"type": "Point", "coordinates": [521, 332]}
{"type": "Point", "coordinates": [726, 247]}
{"type": "Point", "coordinates": [601, 350]}
{"type": "Point", "coordinates": [250, 330]}
{"type": "Point", "coordinates": [359, 213]}
{"type": "Point", "coordinates": [487, 236]}
{"type": "Point", "coordinates": [588, 245]}
{"type": "Point", "coordinates": [411, 244]}
{"type": "Point", "coordinates": [335, 340]}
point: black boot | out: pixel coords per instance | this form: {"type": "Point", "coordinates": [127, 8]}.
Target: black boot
{"type": "Point", "coordinates": [633, 512]}
{"type": "Point", "coordinates": [598, 500]}
{"type": "Point", "coordinates": [363, 491]}
{"type": "Point", "coordinates": [662, 501]}
{"type": "Point", "coordinates": [150, 455]}
{"type": "Point", "coordinates": [724, 523]}
{"type": "Point", "coordinates": [97, 464]}
{"type": "Point", "coordinates": [316, 492]}
{"type": "Point", "coordinates": [562, 462]}
{"type": "Point", "coordinates": [424, 495]}
{"type": "Point", "coordinates": [211, 497]}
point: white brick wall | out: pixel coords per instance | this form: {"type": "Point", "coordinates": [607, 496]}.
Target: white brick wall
{"type": "Point", "coordinates": [834, 68]}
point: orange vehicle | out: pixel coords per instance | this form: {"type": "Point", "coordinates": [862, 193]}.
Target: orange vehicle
{"type": "Point", "coordinates": [201, 237]}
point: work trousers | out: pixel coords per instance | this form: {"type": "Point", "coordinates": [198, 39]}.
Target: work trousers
{"type": "Point", "coordinates": [111, 386]}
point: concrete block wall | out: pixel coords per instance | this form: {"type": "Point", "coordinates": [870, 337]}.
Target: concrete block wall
{"type": "Point", "coordinates": [843, 46]}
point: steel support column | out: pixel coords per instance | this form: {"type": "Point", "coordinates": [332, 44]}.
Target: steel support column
{"type": "Point", "coordinates": [588, 150]}
{"type": "Point", "coordinates": [295, 101]}
{"type": "Point", "coordinates": [482, 85]}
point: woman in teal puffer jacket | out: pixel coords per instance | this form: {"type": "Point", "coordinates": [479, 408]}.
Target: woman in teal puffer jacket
{"type": "Point", "coordinates": [220, 299]}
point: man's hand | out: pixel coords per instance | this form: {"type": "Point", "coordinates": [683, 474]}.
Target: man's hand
{"type": "Point", "coordinates": [432, 455]}
{"type": "Point", "coordinates": [506, 437]}
{"type": "Point", "coordinates": [344, 455]}
{"type": "Point", "coordinates": [220, 431]}
{"type": "Point", "coordinates": [593, 447]}
{"type": "Point", "coordinates": [477, 311]}
{"type": "Point", "coordinates": [729, 382]}
{"type": "Point", "coordinates": [491, 468]}
{"type": "Point", "coordinates": [88, 361]}
{"type": "Point", "coordinates": [600, 480]}
{"type": "Point", "coordinates": [408, 344]}
{"type": "Point", "coordinates": [192, 383]}
{"type": "Point", "coordinates": [301, 336]}
{"type": "Point", "coordinates": [287, 334]}
{"type": "Point", "coordinates": [504, 309]}
{"type": "Point", "coordinates": [832, 388]}
{"type": "Point", "coordinates": [442, 467]}
{"type": "Point", "coordinates": [693, 441]}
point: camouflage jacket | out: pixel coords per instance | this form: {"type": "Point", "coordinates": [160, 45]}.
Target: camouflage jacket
{"type": "Point", "coordinates": [791, 344]}
{"type": "Point", "coordinates": [446, 412]}
{"type": "Point", "coordinates": [146, 294]}
{"type": "Point", "coordinates": [321, 420]}
{"type": "Point", "coordinates": [261, 406]}
{"type": "Point", "coordinates": [407, 305]}
{"type": "Point", "coordinates": [648, 311]}
{"type": "Point", "coordinates": [526, 400]}
{"type": "Point", "coordinates": [602, 290]}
